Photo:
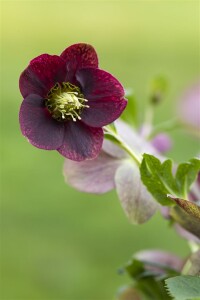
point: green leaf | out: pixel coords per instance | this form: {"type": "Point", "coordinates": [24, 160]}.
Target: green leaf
{"type": "Point", "coordinates": [152, 289]}
{"type": "Point", "coordinates": [160, 181]}
{"type": "Point", "coordinates": [135, 268]}
{"type": "Point", "coordinates": [186, 175]}
{"type": "Point", "coordinates": [158, 89]}
{"type": "Point", "coordinates": [184, 287]}
{"type": "Point", "coordinates": [152, 173]}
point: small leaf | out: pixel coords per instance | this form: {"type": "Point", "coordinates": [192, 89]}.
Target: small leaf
{"type": "Point", "coordinates": [152, 176]}
{"type": "Point", "coordinates": [184, 287]}
{"type": "Point", "coordinates": [159, 87]}
{"type": "Point", "coordinates": [186, 174]}
{"type": "Point", "coordinates": [160, 181]}
{"type": "Point", "coordinates": [152, 289]}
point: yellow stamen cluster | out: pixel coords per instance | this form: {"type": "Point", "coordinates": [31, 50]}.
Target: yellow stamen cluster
{"type": "Point", "coordinates": [65, 102]}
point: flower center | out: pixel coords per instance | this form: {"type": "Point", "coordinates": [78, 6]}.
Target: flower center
{"type": "Point", "coordinates": [65, 102]}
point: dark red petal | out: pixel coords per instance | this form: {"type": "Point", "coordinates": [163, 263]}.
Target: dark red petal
{"type": "Point", "coordinates": [102, 112]}
{"type": "Point", "coordinates": [81, 142]}
{"type": "Point", "coordinates": [42, 74]}
{"type": "Point", "coordinates": [38, 126]}
{"type": "Point", "coordinates": [79, 56]}
{"type": "Point", "coordinates": [99, 85]}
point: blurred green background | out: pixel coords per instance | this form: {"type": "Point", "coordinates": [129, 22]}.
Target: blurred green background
{"type": "Point", "coordinates": [58, 243]}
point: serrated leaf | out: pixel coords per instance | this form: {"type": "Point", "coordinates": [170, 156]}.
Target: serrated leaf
{"type": "Point", "coordinates": [152, 289]}
{"type": "Point", "coordinates": [152, 174]}
{"type": "Point", "coordinates": [183, 287]}
{"type": "Point", "coordinates": [160, 181]}
{"type": "Point", "coordinates": [186, 174]}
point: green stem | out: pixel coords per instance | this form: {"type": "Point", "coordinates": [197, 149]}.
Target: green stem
{"type": "Point", "coordinates": [123, 145]}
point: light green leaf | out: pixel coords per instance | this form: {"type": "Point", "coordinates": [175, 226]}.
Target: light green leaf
{"type": "Point", "coordinates": [152, 173]}
{"type": "Point", "coordinates": [186, 174]}
{"type": "Point", "coordinates": [184, 287]}
{"type": "Point", "coordinates": [158, 89]}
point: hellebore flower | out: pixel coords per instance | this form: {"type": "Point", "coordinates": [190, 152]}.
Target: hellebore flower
{"type": "Point", "coordinates": [67, 101]}
{"type": "Point", "coordinates": [113, 168]}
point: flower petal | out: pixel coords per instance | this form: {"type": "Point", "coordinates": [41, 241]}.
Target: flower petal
{"type": "Point", "coordinates": [186, 234]}
{"type": "Point", "coordinates": [136, 201]}
{"type": "Point", "coordinates": [42, 74]}
{"type": "Point", "coordinates": [99, 85]}
{"type": "Point", "coordinates": [113, 149]}
{"type": "Point", "coordinates": [92, 176]}
{"type": "Point", "coordinates": [81, 142]}
{"type": "Point", "coordinates": [102, 112]}
{"type": "Point", "coordinates": [134, 139]}
{"type": "Point", "coordinates": [160, 260]}
{"type": "Point", "coordinates": [38, 126]}
{"type": "Point", "coordinates": [79, 56]}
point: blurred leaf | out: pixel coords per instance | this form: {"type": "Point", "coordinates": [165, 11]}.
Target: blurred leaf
{"type": "Point", "coordinates": [183, 287]}
{"type": "Point", "coordinates": [158, 89]}
{"type": "Point", "coordinates": [160, 181]}
{"type": "Point", "coordinates": [152, 289]}
{"type": "Point", "coordinates": [130, 114]}
{"type": "Point", "coordinates": [135, 268]}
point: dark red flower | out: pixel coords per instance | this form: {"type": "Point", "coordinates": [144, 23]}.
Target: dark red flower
{"type": "Point", "coordinates": [67, 101]}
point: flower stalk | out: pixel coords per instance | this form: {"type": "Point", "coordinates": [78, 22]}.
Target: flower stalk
{"type": "Point", "coordinates": [123, 145]}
